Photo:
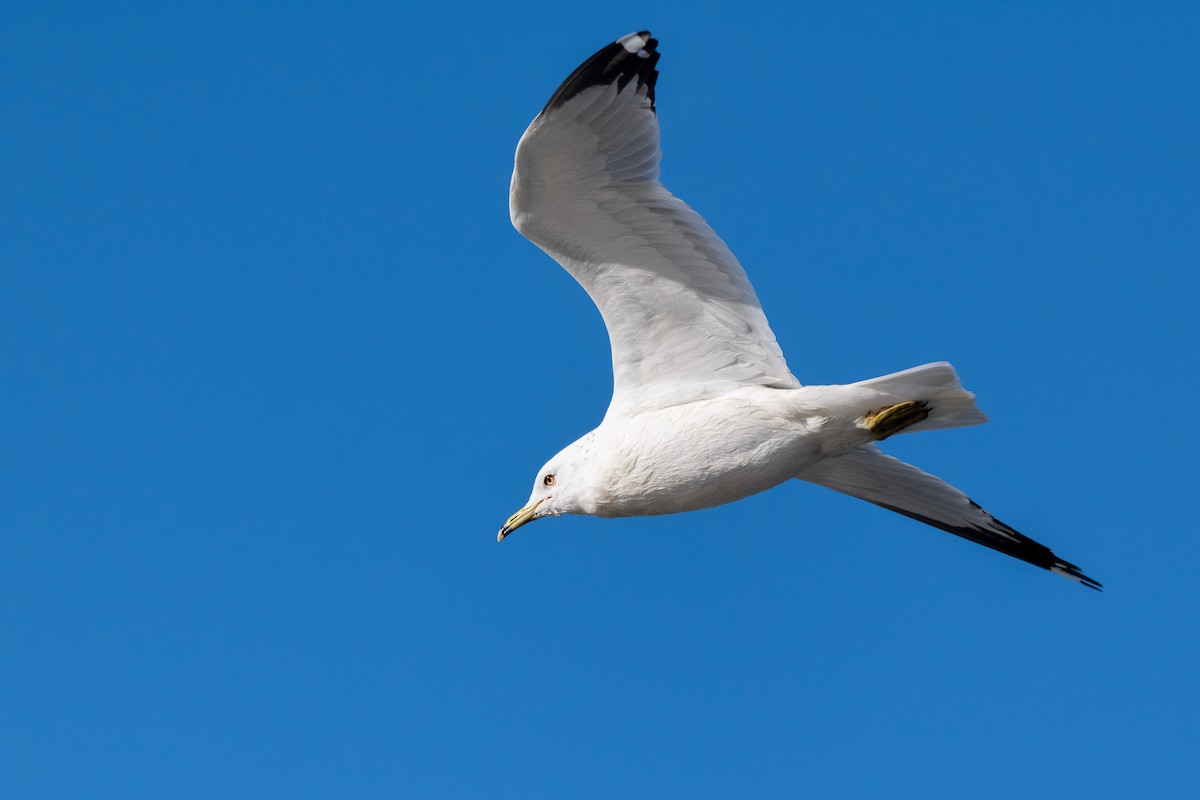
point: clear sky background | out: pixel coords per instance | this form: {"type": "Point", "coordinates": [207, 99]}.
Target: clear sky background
{"type": "Point", "coordinates": [274, 367]}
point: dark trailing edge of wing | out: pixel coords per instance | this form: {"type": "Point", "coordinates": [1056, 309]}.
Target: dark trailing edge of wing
{"type": "Point", "coordinates": [609, 64]}
{"type": "Point", "coordinates": [1023, 547]}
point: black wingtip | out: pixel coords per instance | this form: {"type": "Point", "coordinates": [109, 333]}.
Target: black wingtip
{"type": "Point", "coordinates": [1011, 543]}
{"type": "Point", "coordinates": [1069, 570]}
{"type": "Point", "coordinates": [631, 57]}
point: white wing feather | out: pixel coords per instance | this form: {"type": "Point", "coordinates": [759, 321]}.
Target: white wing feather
{"type": "Point", "coordinates": [868, 474]}
{"type": "Point", "coordinates": [683, 320]}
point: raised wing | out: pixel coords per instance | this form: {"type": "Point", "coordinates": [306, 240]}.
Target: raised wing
{"type": "Point", "coordinates": [868, 474]}
{"type": "Point", "coordinates": [683, 320]}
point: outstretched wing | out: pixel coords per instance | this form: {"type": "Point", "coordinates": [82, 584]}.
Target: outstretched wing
{"type": "Point", "coordinates": [683, 320]}
{"type": "Point", "coordinates": [868, 474]}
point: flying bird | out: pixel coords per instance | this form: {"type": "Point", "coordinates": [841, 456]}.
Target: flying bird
{"type": "Point", "coordinates": [704, 410]}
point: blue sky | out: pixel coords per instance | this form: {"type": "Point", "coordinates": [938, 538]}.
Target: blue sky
{"type": "Point", "coordinates": [275, 367]}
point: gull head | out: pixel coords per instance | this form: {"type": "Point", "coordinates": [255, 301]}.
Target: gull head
{"type": "Point", "coordinates": [562, 486]}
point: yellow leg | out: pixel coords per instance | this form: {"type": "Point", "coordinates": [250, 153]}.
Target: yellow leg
{"type": "Point", "coordinates": [892, 419]}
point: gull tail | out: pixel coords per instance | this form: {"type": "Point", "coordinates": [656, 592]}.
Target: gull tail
{"type": "Point", "coordinates": [950, 406]}
{"type": "Point", "coordinates": [868, 474]}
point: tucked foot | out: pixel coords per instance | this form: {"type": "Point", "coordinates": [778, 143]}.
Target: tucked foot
{"type": "Point", "coordinates": [892, 419]}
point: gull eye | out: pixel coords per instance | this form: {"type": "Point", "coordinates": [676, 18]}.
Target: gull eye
{"type": "Point", "coordinates": [548, 480]}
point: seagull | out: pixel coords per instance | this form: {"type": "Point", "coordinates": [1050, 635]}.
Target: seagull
{"type": "Point", "coordinates": [704, 410]}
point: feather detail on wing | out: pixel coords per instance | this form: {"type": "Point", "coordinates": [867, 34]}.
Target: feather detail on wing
{"type": "Point", "coordinates": [683, 320]}
{"type": "Point", "coordinates": [868, 474]}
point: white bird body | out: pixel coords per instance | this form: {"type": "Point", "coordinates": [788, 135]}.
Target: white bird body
{"type": "Point", "coordinates": [716, 450]}
{"type": "Point", "coordinates": [704, 410]}
{"type": "Point", "coordinates": [701, 454]}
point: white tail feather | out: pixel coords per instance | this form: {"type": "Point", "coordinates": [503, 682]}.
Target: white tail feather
{"type": "Point", "coordinates": [950, 405]}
